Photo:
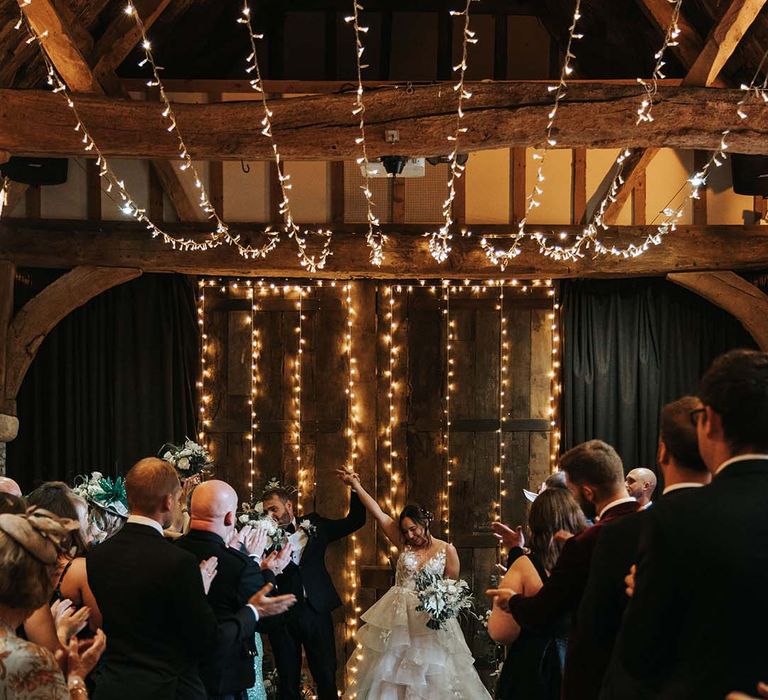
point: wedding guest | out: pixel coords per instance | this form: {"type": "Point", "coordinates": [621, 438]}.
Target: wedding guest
{"type": "Point", "coordinates": [72, 582]}
{"type": "Point", "coordinates": [641, 483]}
{"type": "Point", "coordinates": [213, 513]}
{"type": "Point", "coordinates": [595, 477]}
{"type": "Point", "coordinates": [8, 485]}
{"type": "Point", "coordinates": [29, 548]}
{"type": "Point", "coordinates": [107, 505]}
{"type": "Point", "coordinates": [602, 606]}
{"type": "Point", "coordinates": [309, 624]}
{"type": "Point", "coordinates": [534, 661]}
{"type": "Point", "coordinates": [152, 597]}
{"type": "Point", "coordinates": [695, 626]}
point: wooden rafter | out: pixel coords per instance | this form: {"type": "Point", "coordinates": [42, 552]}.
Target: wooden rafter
{"type": "Point", "coordinates": [734, 294]}
{"type": "Point", "coordinates": [319, 127]}
{"type": "Point", "coordinates": [66, 244]}
{"type": "Point", "coordinates": [703, 70]}
{"type": "Point", "coordinates": [39, 315]}
{"type": "Point", "coordinates": [61, 44]}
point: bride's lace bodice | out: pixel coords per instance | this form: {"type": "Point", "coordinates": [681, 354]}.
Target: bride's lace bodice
{"type": "Point", "coordinates": [411, 562]}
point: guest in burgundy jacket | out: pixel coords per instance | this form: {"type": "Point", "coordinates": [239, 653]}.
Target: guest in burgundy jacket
{"type": "Point", "coordinates": [595, 476]}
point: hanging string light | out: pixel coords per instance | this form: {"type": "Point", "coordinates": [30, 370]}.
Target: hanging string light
{"type": "Point", "coordinates": [439, 246]}
{"type": "Point", "coordinates": [255, 383]}
{"type": "Point", "coordinates": [449, 386]}
{"type": "Point", "coordinates": [651, 86]}
{"type": "Point", "coordinates": [554, 374]}
{"type": "Point", "coordinates": [503, 387]}
{"type": "Point", "coordinates": [205, 372]}
{"type": "Point", "coordinates": [374, 237]}
{"type": "Point", "coordinates": [389, 432]}
{"type": "Point", "coordinates": [316, 262]}
{"type": "Point", "coordinates": [297, 365]}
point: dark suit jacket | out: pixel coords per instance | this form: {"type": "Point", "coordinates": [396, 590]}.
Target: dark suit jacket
{"type": "Point", "coordinates": [696, 626]}
{"type": "Point", "coordinates": [311, 575]}
{"type": "Point", "coordinates": [562, 594]}
{"type": "Point", "coordinates": [238, 577]}
{"type": "Point", "coordinates": [156, 617]}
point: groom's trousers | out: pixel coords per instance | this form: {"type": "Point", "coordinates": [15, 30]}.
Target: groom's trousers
{"type": "Point", "coordinates": [302, 626]}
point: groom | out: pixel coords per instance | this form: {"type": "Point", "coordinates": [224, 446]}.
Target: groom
{"type": "Point", "coordinates": [309, 623]}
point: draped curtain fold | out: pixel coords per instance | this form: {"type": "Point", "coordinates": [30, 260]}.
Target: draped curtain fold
{"type": "Point", "coordinates": [111, 383]}
{"type": "Point", "coordinates": [631, 346]}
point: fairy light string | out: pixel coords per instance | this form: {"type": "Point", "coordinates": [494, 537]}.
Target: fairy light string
{"type": "Point", "coordinates": [439, 241]}
{"type": "Point", "coordinates": [374, 237]}
{"type": "Point", "coordinates": [256, 348]}
{"type": "Point", "coordinates": [297, 367]}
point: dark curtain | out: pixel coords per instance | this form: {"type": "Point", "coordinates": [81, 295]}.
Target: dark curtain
{"type": "Point", "coordinates": [631, 346]}
{"type": "Point", "coordinates": [110, 384]}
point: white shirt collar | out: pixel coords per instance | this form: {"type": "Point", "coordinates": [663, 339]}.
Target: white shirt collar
{"type": "Point", "coordinates": [143, 520]}
{"type": "Point", "coordinates": [739, 458]}
{"type": "Point", "coordinates": [618, 501]}
{"type": "Point", "coordinates": [682, 485]}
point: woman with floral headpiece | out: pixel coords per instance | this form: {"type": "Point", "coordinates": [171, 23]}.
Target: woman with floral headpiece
{"type": "Point", "coordinates": [401, 652]}
{"type": "Point", "coordinates": [29, 547]}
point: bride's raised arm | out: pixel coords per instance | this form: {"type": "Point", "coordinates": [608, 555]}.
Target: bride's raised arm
{"type": "Point", "coordinates": [390, 526]}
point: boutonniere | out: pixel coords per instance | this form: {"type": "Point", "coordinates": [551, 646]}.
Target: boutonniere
{"type": "Point", "coordinates": [308, 527]}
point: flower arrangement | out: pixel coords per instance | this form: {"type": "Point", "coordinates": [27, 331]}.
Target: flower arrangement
{"type": "Point", "coordinates": [254, 516]}
{"type": "Point", "coordinates": [100, 491]}
{"type": "Point", "coordinates": [188, 459]}
{"type": "Point", "coordinates": [272, 686]}
{"type": "Point", "coordinates": [308, 527]}
{"type": "Point", "coordinates": [441, 598]}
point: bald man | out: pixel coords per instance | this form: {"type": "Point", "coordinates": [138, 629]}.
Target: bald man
{"type": "Point", "coordinates": [8, 485]}
{"type": "Point", "coordinates": [240, 573]}
{"type": "Point", "coordinates": [152, 597]}
{"type": "Point", "coordinates": [641, 483]}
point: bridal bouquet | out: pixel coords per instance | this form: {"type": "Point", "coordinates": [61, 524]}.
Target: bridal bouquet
{"type": "Point", "coordinates": [188, 459]}
{"type": "Point", "coordinates": [254, 516]}
{"type": "Point", "coordinates": [441, 598]}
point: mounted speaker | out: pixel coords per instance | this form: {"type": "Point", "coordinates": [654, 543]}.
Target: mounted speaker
{"type": "Point", "coordinates": [749, 174]}
{"type": "Point", "coordinates": [36, 171]}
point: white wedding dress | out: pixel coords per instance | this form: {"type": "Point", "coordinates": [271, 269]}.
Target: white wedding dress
{"type": "Point", "coordinates": [399, 658]}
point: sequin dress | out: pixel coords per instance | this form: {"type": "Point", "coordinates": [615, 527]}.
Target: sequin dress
{"type": "Point", "coordinates": [258, 692]}
{"type": "Point", "coordinates": [400, 658]}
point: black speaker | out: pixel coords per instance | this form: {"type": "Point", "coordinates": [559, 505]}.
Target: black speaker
{"type": "Point", "coordinates": [749, 174]}
{"type": "Point", "coordinates": [36, 171]}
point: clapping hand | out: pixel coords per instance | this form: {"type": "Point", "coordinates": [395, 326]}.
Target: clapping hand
{"type": "Point", "coordinates": [501, 596]}
{"type": "Point", "coordinates": [254, 540]}
{"type": "Point", "coordinates": [266, 606]}
{"type": "Point", "coordinates": [208, 572]}
{"type": "Point", "coordinates": [762, 691]}
{"type": "Point", "coordinates": [277, 561]}
{"type": "Point", "coordinates": [82, 655]}
{"type": "Point", "coordinates": [507, 536]}
{"type": "Point", "coordinates": [629, 580]}
{"type": "Point", "coordinates": [68, 621]}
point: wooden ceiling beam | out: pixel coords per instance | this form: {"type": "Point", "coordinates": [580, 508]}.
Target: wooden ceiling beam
{"type": "Point", "coordinates": [62, 244]}
{"type": "Point", "coordinates": [121, 36]}
{"type": "Point", "coordinates": [319, 127]}
{"type": "Point", "coordinates": [722, 41]}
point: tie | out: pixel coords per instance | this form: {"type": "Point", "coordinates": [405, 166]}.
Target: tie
{"type": "Point", "coordinates": [290, 529]}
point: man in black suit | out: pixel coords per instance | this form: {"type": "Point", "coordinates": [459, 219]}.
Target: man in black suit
{"type": "Point", "coordinates": [151, 598]}
{"type": "Point", "coordinates": [213, 512]}
{"type": "Point", "coordinates": [695, 627]}
{"type": "Point", "coordinates": [309, 624]}
{"type": "Point", "coordinates": [602, 606]}
{"type": "Point", "coordinates": [595, 476]}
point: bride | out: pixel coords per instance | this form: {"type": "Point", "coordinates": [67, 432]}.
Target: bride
{"type": "Point", "coordinates": [398, 657]}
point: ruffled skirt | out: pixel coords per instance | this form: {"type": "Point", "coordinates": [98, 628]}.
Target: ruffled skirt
{"type": "Point", "coordinates": [399, 658]}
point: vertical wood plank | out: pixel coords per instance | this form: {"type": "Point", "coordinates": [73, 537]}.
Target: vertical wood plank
{"type": "Point", "coordinates": [7, 279]}
{"type": "Point", "coordinates": [32, 202]}
{"type": "Point", "coordinates": [216, 173]}
{"type": "Point", "coordinates": [444, 46]}
{"type": "Point", "coordinates": [579, 184]}
{"type": "Point", "coordinates": [398, 199]}
{"type": "Point", "coordinates": [516, 183]}
{"type": "Point", "coordinates": [337, 191]}
{"type": "Point", "coordinates": [638, 200]}
{"type": "Point", "coordinates": [500, 46]}
{"type": "Point", "coordinates": [759, 207]}
{"type": "Point", "coordinates": [459, 205]}
{"type": "Point", "coordinates": [156, 208]}
{"type": "Point", "coordinates": [93, 190]}
{"type": "Point", "coordinates": [275, 195]}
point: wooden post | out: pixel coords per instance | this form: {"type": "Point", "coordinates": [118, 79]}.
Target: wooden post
{"type": "Point", "coordinates": [93, 190]}
{"type": "Point", "coordinates": [516, 183]}
{"type": "Point", "coordinates": [216, 175]}
{"type": "Point", "coordinates": [579, 180]}
{"type": "Point", "coordinates": [500, 46]}
{"type": "Point", "coordinates": [7, 409]}
{"type": "Point", "coordinates": [398, 200]}
{"type": "Point", "coordinates": [33, 202]}
{"type": "Point", "coordinates": [337, 191]}
{"type": "Point", "coordinates": [638, 200]}
{"type": "Point", "coordinates": [700, 205]}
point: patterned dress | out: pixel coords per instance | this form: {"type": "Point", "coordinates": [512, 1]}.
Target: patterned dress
{"type": "Point", "coordinates": [28, 671]}
{"type": "Point", "coordinates": [258, 692]}
{"type": "Point", "coordinates": [400, 658]}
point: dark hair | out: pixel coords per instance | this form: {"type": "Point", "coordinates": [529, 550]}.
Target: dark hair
{"type": "Point", "coordinates": [421, 516]}
{"type": "Point", "coordinates": [596, 464]}
{"type": "Point", "coordinates": [282, 493]}
{"type": "Point", "coordinates": [12, 504]}
{"type": "Point", "coordinates": [59, 499]}
{"type": "Point", "coordinates": [678, 434]}
{"type": "Point", "coordinates": [736, 388]}
{"type": "Point", "coordinates": [554, 509]}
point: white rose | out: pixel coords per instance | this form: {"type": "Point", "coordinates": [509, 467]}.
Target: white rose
{"type": "Point", "coordinates": [305, 524]}
{"type": "Point", "coordinates": [168, 457]}
{"type": "Point", "coordinates": [96, 476]}
{"type": "Point", "coordinates": [183, 463]}
{"type": "Point", "coordinates": [244, 518]}
{"type": "Point", "coordinates": [258, 507]}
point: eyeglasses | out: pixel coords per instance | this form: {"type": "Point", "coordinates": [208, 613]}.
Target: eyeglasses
{"type": "Point", "coordinates": [694, 414]}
